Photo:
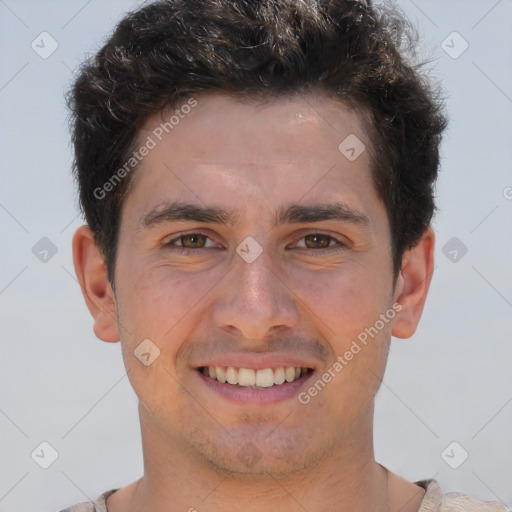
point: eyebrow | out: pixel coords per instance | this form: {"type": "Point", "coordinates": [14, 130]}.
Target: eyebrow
{"type": "Point", "coordinates": [180, 212]}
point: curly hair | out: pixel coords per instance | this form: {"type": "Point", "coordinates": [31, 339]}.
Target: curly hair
{"type": "Point", "coordinates": [349, 50]}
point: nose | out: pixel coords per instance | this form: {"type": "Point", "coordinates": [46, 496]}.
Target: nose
{"type": "Point", "coordinates": [255, 300]}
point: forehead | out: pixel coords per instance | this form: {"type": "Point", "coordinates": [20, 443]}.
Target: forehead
{"type": "Point", "coordinates": [282, 151]}
{"type": "Point", "coordinates": [224, 128]}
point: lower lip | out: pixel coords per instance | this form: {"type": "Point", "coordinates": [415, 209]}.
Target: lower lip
{"type": "Point", "coordinates": [246, 395]}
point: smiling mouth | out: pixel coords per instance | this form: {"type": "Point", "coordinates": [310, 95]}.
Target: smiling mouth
{"type": "Point", "coordinates": [255, 379]}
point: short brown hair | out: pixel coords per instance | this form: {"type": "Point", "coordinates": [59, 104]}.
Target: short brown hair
{"type": "Point", "coordinates": [171, 49]}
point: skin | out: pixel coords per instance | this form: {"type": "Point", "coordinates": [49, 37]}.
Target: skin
{"type": "Point", "coordinates": [295, 300]}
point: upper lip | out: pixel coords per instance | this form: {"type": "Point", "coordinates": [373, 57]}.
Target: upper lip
{"type": "Point", "coordinates": [256, 361]}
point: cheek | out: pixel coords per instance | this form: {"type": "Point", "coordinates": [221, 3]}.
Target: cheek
{"type": "Point", "coordinates": [157, 300]}
{"type": "Point", "coordinates": [157, 303]}
{"type": "Point", "coordinates": [160, 304]}
{"type": "Point", "coordinates": [345, 301]}
{"type": "Point", "coordinates": [345, 310]}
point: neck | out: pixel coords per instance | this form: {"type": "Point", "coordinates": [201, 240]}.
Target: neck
{"type": "Point", "coordinates": [176, 478]}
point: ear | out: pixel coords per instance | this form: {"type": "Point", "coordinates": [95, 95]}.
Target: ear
{"type": "Point", "coordinates": [91, 272]}
{"type": "Point", "coordinates": [413, 284]}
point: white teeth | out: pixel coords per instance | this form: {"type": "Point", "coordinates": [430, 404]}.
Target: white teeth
{"type": "Point", "coordinates": [279, 377]}
{"type": "Point", "coordinates": [231, 375]}
{"type": "Point", "coordinates": [221, 375]}
{"type": "Point", "coordinates": [290, 374]}
{"type": "Point", "coordinates": [265, 378]}
{"type": "Point", "coordinates": [248, 377]}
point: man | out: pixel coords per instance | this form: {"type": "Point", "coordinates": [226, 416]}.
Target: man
{"type": "Point", "coordinates": [257, 180]}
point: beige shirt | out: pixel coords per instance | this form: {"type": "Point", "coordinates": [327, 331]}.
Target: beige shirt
{"type": "Point", "coordinates": [433, 501]}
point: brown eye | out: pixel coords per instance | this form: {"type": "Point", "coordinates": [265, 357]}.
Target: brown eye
{"type": "Point", "coordinates": [317, 241]}
{"type": "Point", "coordinates": [319, 244]}
{"type": "Point", "coordinates": [188, 243]}
{"type": "Point", "coordinates": [193, 241]}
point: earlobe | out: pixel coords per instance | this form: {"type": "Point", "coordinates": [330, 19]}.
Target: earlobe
{"type": "Point", "coordinates": [91, 273]}
{"type": "Point", "coordinates": [413, 284]}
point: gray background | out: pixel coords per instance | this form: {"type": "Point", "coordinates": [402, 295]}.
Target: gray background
{"type": "Point", "coordinates": [59, 384]}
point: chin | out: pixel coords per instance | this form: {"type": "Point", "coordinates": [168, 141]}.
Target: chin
{"type": "Point", "coordinates": [260, 452]}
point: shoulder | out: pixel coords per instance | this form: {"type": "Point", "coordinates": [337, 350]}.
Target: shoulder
{"type": "Point", "coordinates": [437, 501]}
{"type": "Point", "coordinates": [92, 506]}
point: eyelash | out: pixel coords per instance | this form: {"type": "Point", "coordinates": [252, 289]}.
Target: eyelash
{"type": "Point", "coordinates": [187, 251]}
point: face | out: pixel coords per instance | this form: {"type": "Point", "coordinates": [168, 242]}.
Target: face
{"type": "Point", "coordinates": [252, 249]}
